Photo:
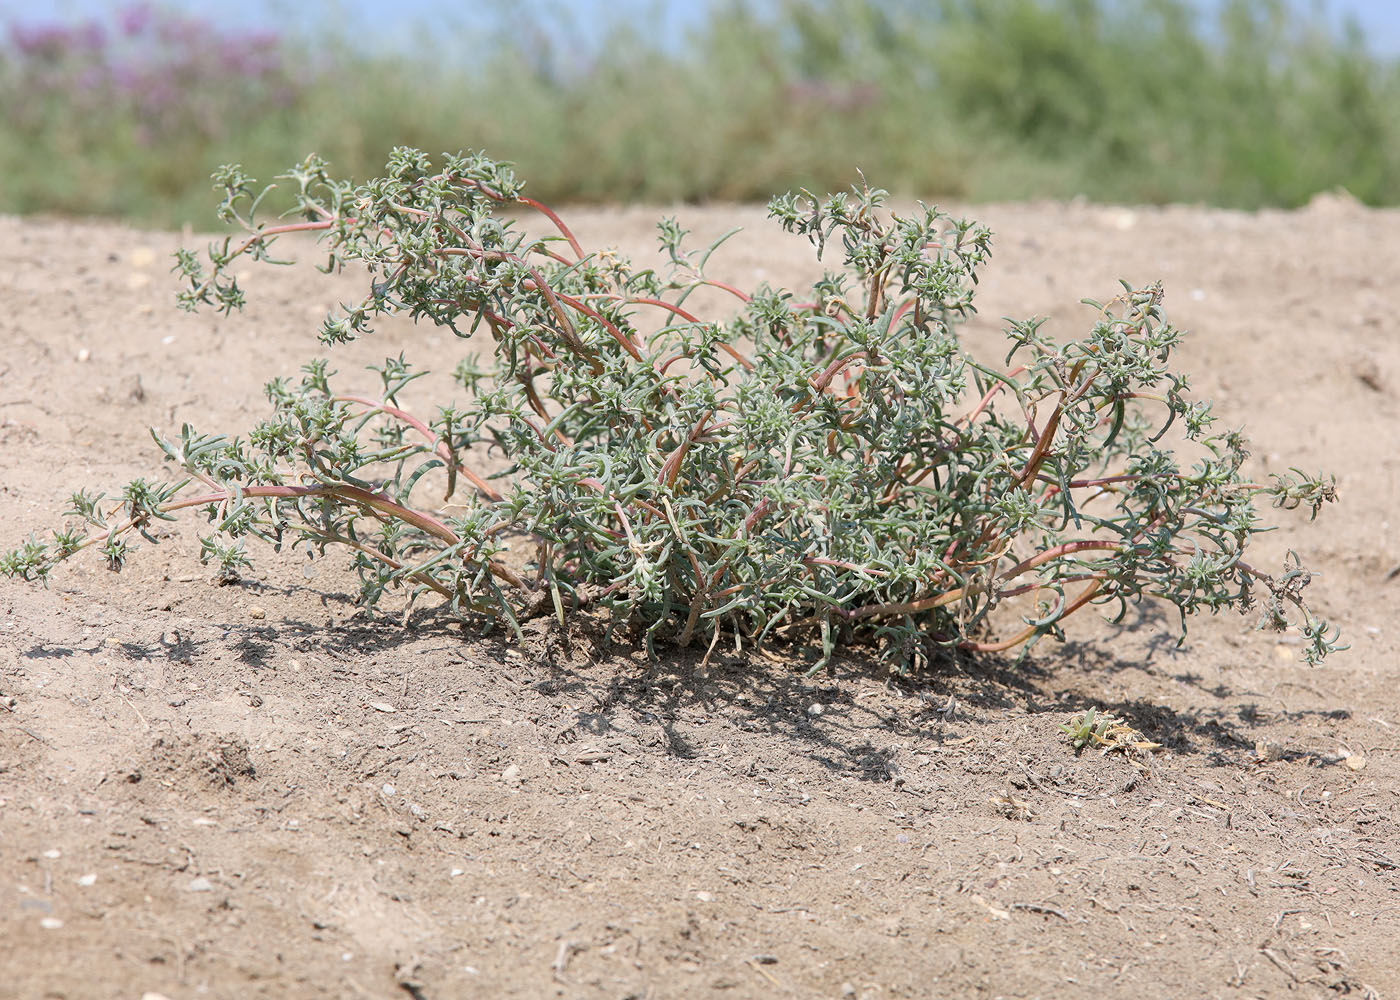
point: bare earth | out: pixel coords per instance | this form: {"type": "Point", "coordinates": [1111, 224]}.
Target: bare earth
{"type": "Point", "coordinates": [252, 791]}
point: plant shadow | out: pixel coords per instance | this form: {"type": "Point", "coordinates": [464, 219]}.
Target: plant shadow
{"type": "Point", "coordinates": [848, 719]}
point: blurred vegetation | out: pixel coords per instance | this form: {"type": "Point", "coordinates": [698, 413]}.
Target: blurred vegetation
{"type": "Point", "coordinates": [1120, 100]}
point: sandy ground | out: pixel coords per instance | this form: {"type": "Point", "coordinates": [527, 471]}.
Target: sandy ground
{"type": "Point", "coordinates": [252, 791]}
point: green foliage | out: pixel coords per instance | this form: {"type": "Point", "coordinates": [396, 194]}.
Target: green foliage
{"type": "Point", "coordinates": [832, 463]}
{"type": "Point", "coordinates": [1091, 727]}
{"type": "Point", "coordinates": [1133, 100]}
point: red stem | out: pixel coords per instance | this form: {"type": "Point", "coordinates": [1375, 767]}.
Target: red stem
{"type": "Point", "coordinates": [441, 448]}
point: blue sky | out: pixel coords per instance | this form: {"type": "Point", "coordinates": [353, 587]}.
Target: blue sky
{"type": "Point", "coordinates": [1379, 18]}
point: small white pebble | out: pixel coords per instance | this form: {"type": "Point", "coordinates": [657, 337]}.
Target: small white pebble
{"type": "Point", "coordinates": [84, 354]}
{"type": "Point", "coordinates": [200, 884]}
{"type": "Point", "coordinates": [387, 790]}
{"type": "Point", "coordinates": [168, 340]}
{"type": "Point", "coordinates": [53, 853]}
{"type": "Point", "coordinates": [1198, 295]}
{"type": "Point", "coordinates": [51, 923]}
{"type": "Point", "coordinates": [256, 612]}
{"type": "Point", "coordinates": [86, 880]}
{"type": "Point", "coordinates": [815, 709]}
{"type": "Point", "coordinates": [454, 873]}
{"type": "Point", "coordinates": [705, 897]}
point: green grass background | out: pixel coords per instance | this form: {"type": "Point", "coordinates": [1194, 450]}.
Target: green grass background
{"type": "Point", "coordinates": [1127, 101]}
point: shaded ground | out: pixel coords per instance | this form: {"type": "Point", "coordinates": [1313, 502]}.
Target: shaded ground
{"type": "Point", "coordinates": [248, 791]}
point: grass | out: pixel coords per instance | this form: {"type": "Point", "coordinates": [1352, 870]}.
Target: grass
{"type": "Point", "coordinates": [1133, 101]}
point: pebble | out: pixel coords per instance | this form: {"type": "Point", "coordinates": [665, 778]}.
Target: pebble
{"type": "Point", "coordinates": [511, 775]}
{"type": "Point", "coordinates": [257, 613]}
{"type": "Point", "coordinates": [53, 853]}
{"type": "Point", "coordinates": [815, 709]}
{"type": "Point", "coordinates": [848, 990]}
{"type": "Point", "coordinates": [86, 880]}
{"type": "Point", "coordinates": [200, 884]}
{"type": "Point", "coordinates": [387, 791]}
{"type": "Point", "coordinates": [84, 354]}
{"type": "Point", "coordinates": [51, 923]}
{"type": "Point", "coordinates": [705, 897]}
{"type": "Point", "coordinates": [148, 995]}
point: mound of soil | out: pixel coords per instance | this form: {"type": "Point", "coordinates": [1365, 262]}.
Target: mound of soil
{"type": "Point", "coordinates": [255, 791]}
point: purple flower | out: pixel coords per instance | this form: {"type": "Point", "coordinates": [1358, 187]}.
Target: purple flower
{"type": "Point", "coordinates": [42, 40]}
{"type": "Point", "coordinates": [135, 19]}
{"type": "Point", "coordinates": [89, 37]}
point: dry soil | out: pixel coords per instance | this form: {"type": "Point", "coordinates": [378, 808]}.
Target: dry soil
{"type": "Point", "coordinates": [254, 791]}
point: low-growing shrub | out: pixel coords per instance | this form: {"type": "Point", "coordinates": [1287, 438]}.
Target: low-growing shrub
{"type": "Point", "coordinates": [833, 463]}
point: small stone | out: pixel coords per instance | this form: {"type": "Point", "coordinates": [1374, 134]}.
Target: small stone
{"type": "Point", "coordinates": [387, 790]}
{"type": "Point", "coordinates": [200, 884]}
{"type": "Point", "coordinates": [511, 775]}
{"type": "Point", "coordinates": [84, 354]}
{"type": "Point", "coordinates": [53, 854]}
{"type": "Point", "coordinates": [382, 706]}
{"type": "Point", "coordinates": [455, 872]}
{"type": "Point", "coordinates": [50, 923]}
{"type": "Point", "coordinates": [705, 897]}
{"type": "Point", "coordinates": [154, 996]}
{"type": "Point", "coordinates": [1267, 752]}
{"type": "Point", "coordinates": [815, 709]}
{"type": "Point", "coordinates": [86, 880]}
{"type": "Point", "coordinates": [848, 990]}
{"type": "Point", "coordinates": [1355, 762]}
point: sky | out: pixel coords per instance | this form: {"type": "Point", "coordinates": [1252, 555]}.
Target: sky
{"type": "Point", "coordinates": [1380, 19]}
